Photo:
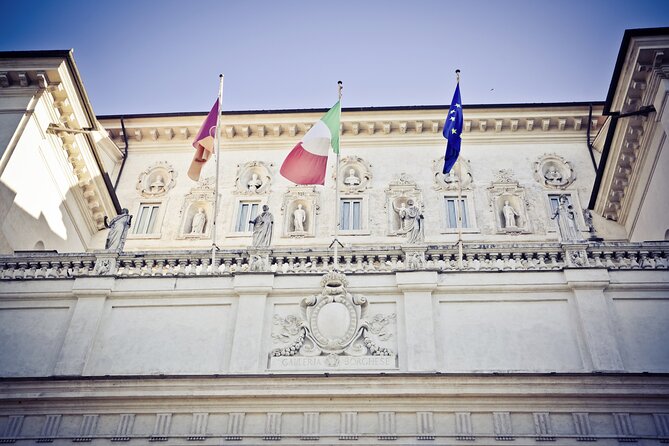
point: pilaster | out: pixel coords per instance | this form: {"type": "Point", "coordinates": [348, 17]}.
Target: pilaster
{"type": "Point", "coordinates": [252, 289]}
{"type": "Point", "coordinates": [91, 293]}
{"type": "Point", "coordinates": [421, 351]}
{"type": "Point", "coordinates": [594, 317]}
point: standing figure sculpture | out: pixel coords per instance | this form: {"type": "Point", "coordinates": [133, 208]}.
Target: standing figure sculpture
{"type": "Point", "coordinates": [566, 219]}
{"type": "Point", "coordinates": [118, 228]}
{"type": "Point", "coordinates": [510, 215]}
{"type": "Point", "coordinates": [412, 222]}
{"type": "Point", "coordinates": [299, 217]}
{"type": "Point", "coordinates": [199, 219]}
{"type": "Point", "coordinates": [262, 228]}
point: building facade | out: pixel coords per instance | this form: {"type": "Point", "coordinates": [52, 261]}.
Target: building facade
{"type": "Point", "coordinates": [522, 297]}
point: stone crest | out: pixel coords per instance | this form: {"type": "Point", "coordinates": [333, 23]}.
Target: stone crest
{"type": "Point", "coordinates": [253, 178]}
{"type": "Point", "coordinates": [554, 171]}
{"type": "Point", "coordinates": [333, 327]}
{"type": "Point", "coordinates": [460, 176]}
{"type": "Point", "coordinates": [156, 180]}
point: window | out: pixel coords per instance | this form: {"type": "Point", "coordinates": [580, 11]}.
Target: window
{"type": "Point", "coordinates": [555, 201]}
{"type": "Point", "coordinates": [247, 211]}
{"type": "Point", "coordinates": [456, 209]}
{"type": "Point", "coordinates": [350, 213]}
{"type": "Point", "coordinates": [146, 219]}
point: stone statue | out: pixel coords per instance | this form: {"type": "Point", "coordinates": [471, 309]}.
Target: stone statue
{"type": "Point", "coordinates": [118, 228]}
{"type": "Point", "coordinates": [553, 177]}
{"type": "Point", "coordinates": [412, 222]}
{"type": "Point", "coordinates": [199, 219]}
{"type": "Point", "coordinates": [510, 215]}
{"type": "Point", "coordinates": [299, 217]}
{"type": "Point", "coordinates": [262, 228]}
{"type": "Point", "coordinates": [254, 183]}
{"type": "Point", "coordinates": [158, 185]}
{"type": "Point", "coordinates": [566, 219]}
{"type": "Point", "coordinates": [402, 210]}
{"type": "Point", "coordinates": [351, 179]}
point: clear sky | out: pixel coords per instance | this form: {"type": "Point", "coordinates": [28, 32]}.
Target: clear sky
{"type": "Point", "coordinates": [144, 56]}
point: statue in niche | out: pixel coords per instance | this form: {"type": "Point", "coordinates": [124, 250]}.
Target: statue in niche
{"type": "Point", "coordinates": [553, 177]}
{"type": "Point", "coordinates": [566, 219]}
{"type": "Point", "coordinates": [158, 185]}
{"type": "Point", "coordinates": [199, 220]}
{"type": "Point", "coordinates": [118, 228]}
{"type": "Point", "coordinates": [412, 222]}
{"type": "Point", "coordinates": [510, 215]}
{"type": "Point", "coordinates": [299, 217]}
{"type": "Point", "coordinates": [262, 228]}
{"type": "Point", "coordinates": [352, 179]}
{"type": "Point", "coordinates": [254, 183]}
{"type": "Point", "coordinates": [401, 210]}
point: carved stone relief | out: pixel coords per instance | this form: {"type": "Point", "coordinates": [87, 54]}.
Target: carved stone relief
{"type": "Point", "coordinates": [197, 211]}
{"type": "Point", "coordinates": [355, 174]}
{"type": "Point", "coordinates": [509, 204]}
{"type": "Point", "coordinates": [398, 196]}
{"type": "Point", "coordinates": [334, 329]}
{"type": "Point", "coordinates": [554, 171]}
{"type": "Point", "coordinates": [253, 178]}
{"type": "Point", "coordinates": [460, 175]}
{"type": "Point", "coordinates": [156, 180]}
{"type": "Point", "coordinates": [300, 206]}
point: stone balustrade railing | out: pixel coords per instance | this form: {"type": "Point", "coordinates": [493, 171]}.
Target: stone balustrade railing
{"type": "Point", "coordinates": [475, 257]}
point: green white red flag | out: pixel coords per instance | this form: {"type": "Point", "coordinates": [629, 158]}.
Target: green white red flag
{"type": "Point", "coordinates": [307, 162]}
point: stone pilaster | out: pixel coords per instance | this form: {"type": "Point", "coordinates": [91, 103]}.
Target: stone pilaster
{"type": "Point", "coordinates": [421, 351]}
{"type": "Point", "coordinates": [91, 293]}
{"type": "Point", "coordinates": [252, 289]}
{"type": "Point", "coordinates": [594, 317]}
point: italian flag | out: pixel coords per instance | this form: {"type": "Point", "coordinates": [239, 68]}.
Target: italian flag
{"type": "Point", "coordinates": [307, 162]}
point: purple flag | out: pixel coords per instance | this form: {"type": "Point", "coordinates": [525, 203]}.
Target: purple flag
{"type": "Point", "coordinates": [204, 143]}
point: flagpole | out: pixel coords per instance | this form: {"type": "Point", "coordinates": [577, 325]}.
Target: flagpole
{"type": "Point", "coordinates": [335, 242]}
{"type": "Point", "coordinates": [217, 150]}
{"type": "Point", "coordinates": [460, 207]}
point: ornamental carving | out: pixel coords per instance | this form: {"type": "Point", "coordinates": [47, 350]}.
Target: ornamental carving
{"type": "Point", "coordinates": [509, 205]}
{"type": "Point", "coordinates": [300, 206]}
{"type": "Point", "coordinates": [253, 178]}
{"type": "Point", "coordinates": [156, 180]}
{"type": "Point", "coordinates": [553, 171]}
{"type": "Point", "coordinates": [197, 211]}
{"type": "Point", "coordinates": [355, 174]}
{"type": "Point", "coordinates": [459, 178]}
{"type": "Point", "coordinates": [333, 324]}
{"type": "Point", "coordinates": [401, 194]}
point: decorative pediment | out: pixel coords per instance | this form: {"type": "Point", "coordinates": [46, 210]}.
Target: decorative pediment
{"type": "Point", "coordinates": [554, 171]}
{"type": "Point", "coordinates": [156, 180]}
{"type": "Point", "coordinates": [254, 178]}
{"type": "Point", "coordinates": [460, 176]}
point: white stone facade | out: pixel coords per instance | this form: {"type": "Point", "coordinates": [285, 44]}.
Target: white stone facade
{"type": "Point", "coordinates": [497, 328]}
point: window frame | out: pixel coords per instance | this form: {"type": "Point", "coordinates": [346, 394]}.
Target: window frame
{"type": "Point", "coordinates": [469, 214]}
{"type": "Point", "coordinates": [234, 224]}
{"type": "Point", "coordinates": [364, 216]}
{"type": "Point", "coordinates": [156, 230]}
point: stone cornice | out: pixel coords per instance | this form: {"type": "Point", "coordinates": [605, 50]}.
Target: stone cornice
{"type": "Point", "coordinates": [363, 127]}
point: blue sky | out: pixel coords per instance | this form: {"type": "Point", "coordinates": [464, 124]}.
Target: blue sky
{"type": "Point", "coordinates": [165, 56]}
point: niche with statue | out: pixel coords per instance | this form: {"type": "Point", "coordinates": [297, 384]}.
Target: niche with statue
{"type": "Point", "coordinates": [197, 212]}
{"type": "Point", "coordinates": [509, 205]}
{"type": "Point", "coordinates": [299, 208]}
{"type": "Point", "coordinates": [253, 178]}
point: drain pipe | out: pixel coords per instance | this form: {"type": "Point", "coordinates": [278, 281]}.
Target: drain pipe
{"type": "Point", "coordinates": [590, 148]}
{"type": "Point", "coordinates": [125, 154]}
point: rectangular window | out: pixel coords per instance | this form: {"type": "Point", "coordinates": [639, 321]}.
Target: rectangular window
{"type": "Point", "coordinates": [456, 210]}
{"type": "Point", "coordinates": [247, 212]}
{"type": "Point", "coordinates": [146, 219]}
{"type": "Point", "coordinates": [555, 202]}
{"type": "Point", "coordinates": [350, 215]}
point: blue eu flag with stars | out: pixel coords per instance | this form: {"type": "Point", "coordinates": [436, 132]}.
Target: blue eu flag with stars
{"type": "Point", "coordinates": [453, 131]}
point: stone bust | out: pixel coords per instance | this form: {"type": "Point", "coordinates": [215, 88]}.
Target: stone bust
{"type": "Point", "coordinates": [254, 183]}
{"type": "Point", "coordinates": [352, 179]}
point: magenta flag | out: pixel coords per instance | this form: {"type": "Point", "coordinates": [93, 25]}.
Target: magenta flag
{"type": "Point", "coordinates": [204, 143]}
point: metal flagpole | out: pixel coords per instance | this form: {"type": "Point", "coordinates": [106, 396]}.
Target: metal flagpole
{"type": "Point", "coordinates": [459, 207]}
{"type": "Point", "coordinates": [217, 149]}
{"type": "Point", "coordinates": [336, 242]}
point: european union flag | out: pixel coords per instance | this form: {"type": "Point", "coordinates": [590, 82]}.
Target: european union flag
{"type": "Point", "coordinates": [453, 131]}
